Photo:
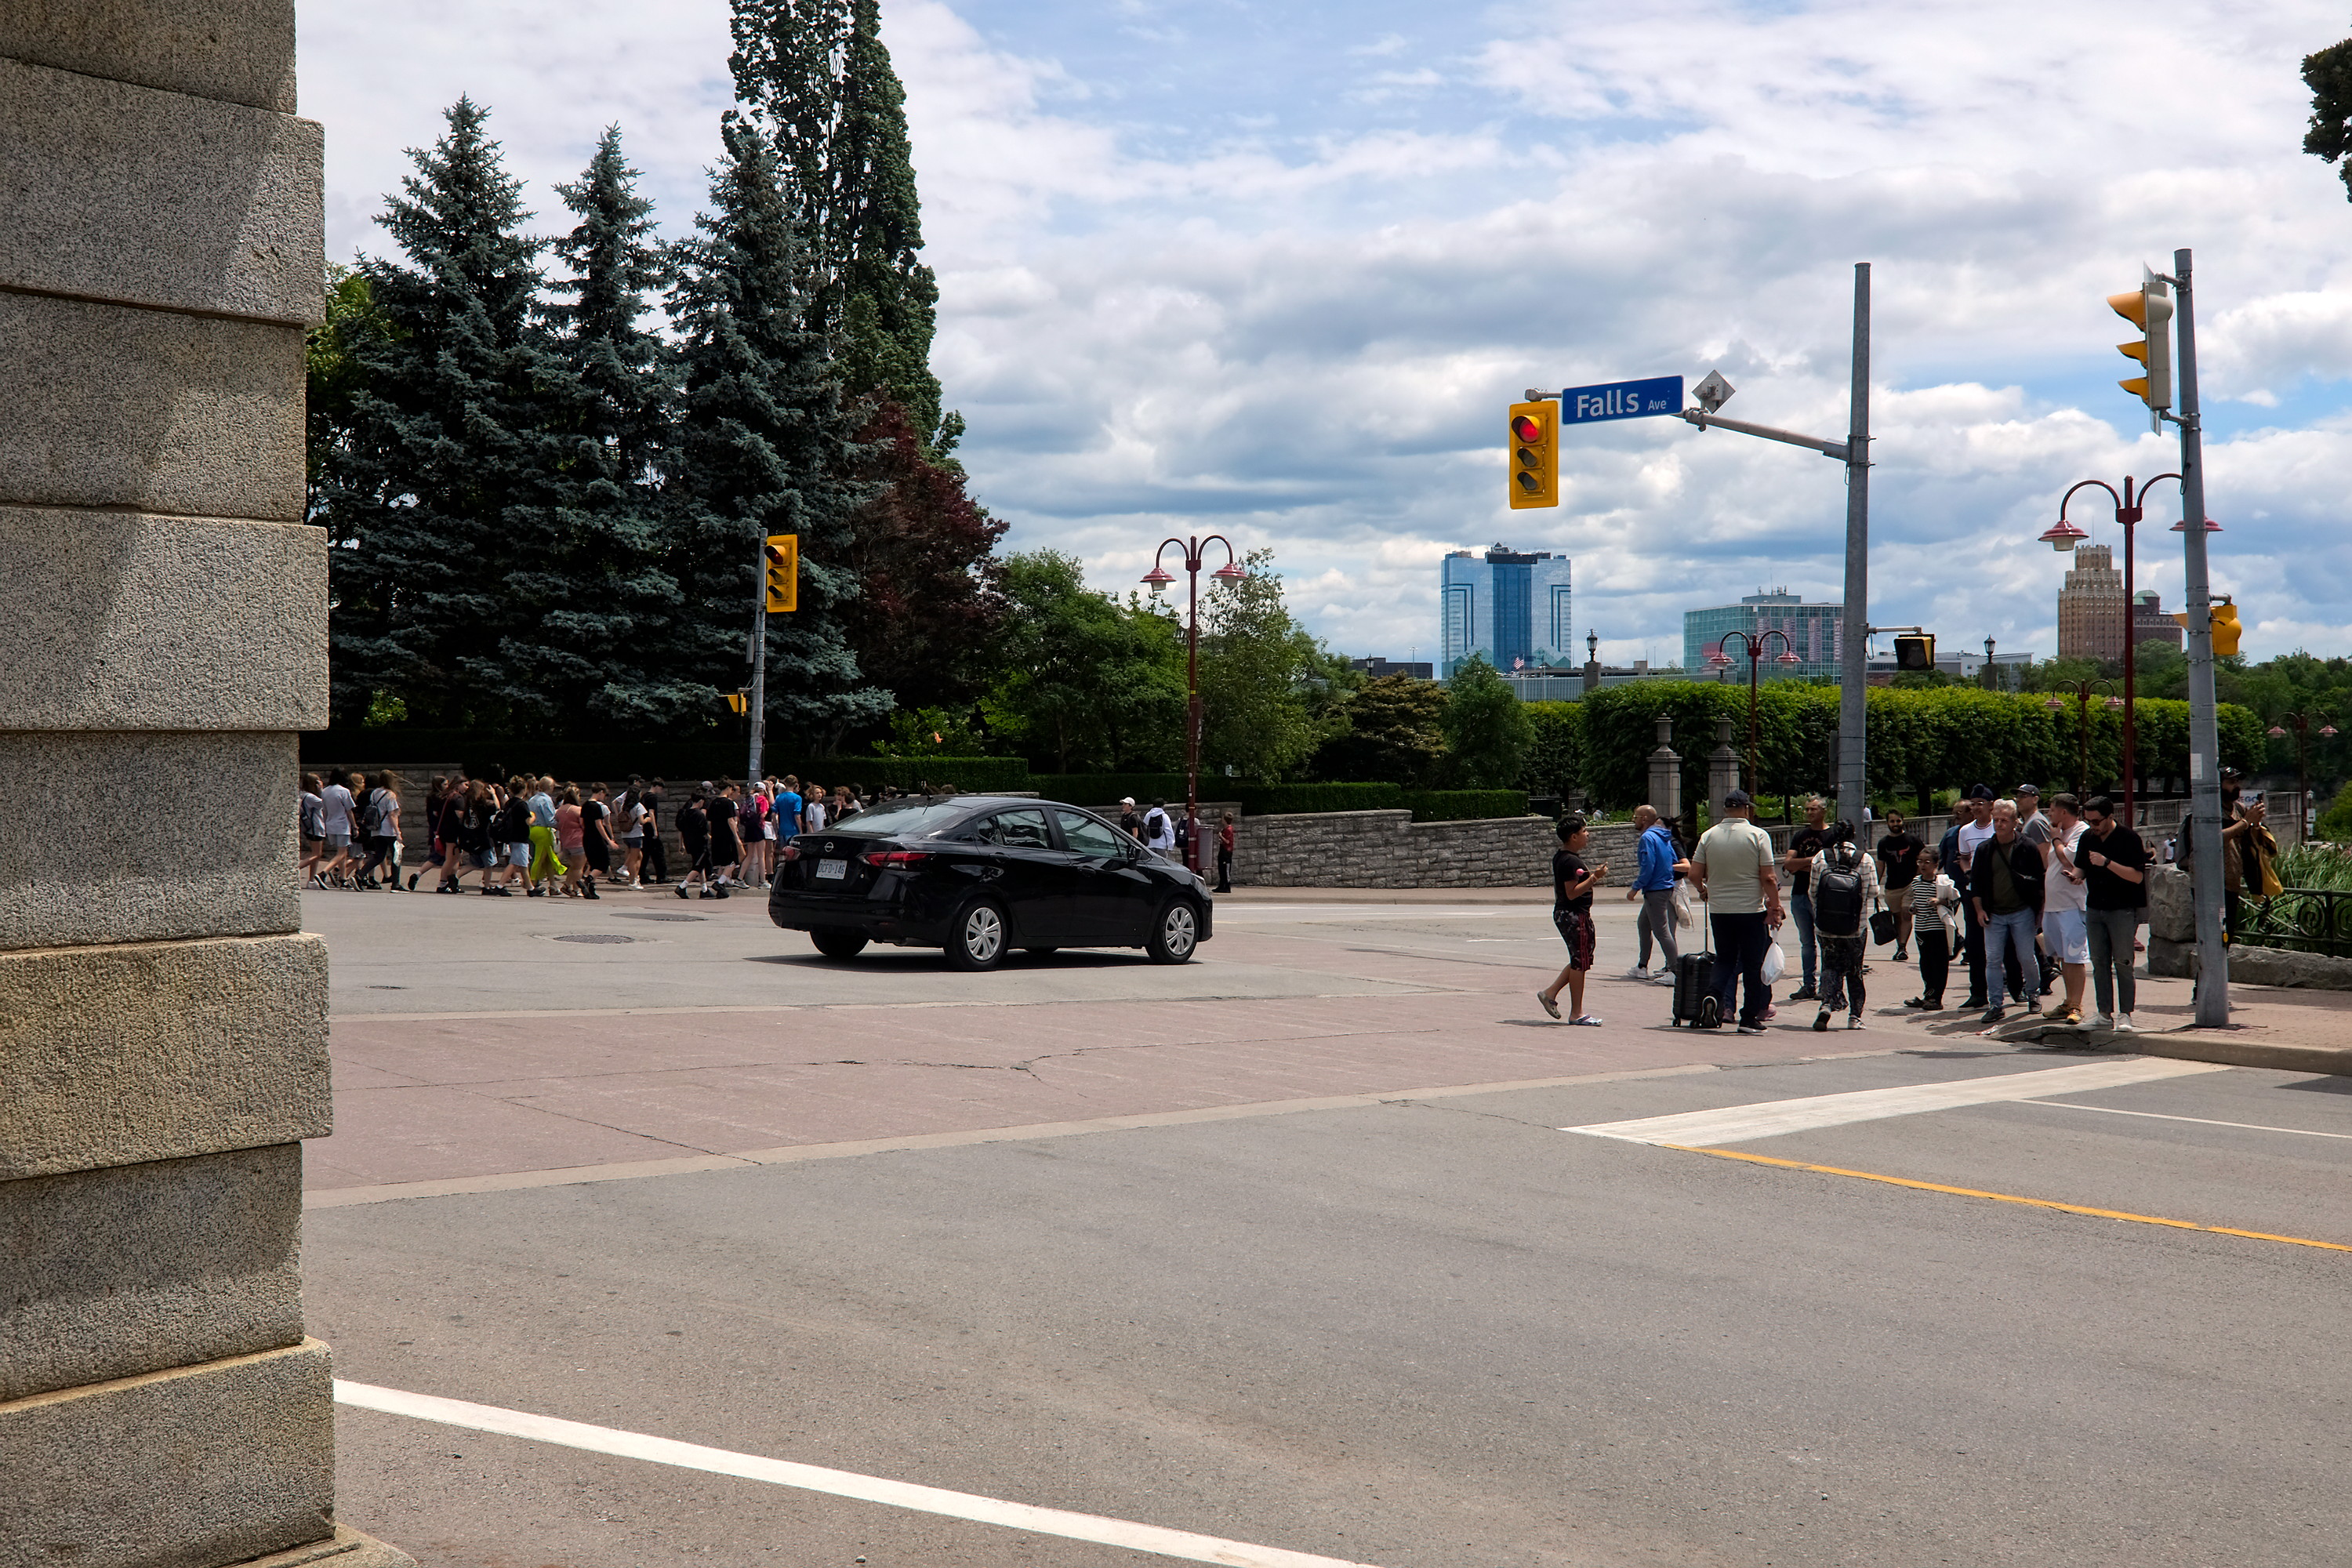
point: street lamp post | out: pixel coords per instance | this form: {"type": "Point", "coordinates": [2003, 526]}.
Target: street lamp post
{"type": "Point", "coordinates": [2301, 722]}
{"type": "Point", "coordinates": [2083, 690]}
{"type": "Point", "coordinates": [2062, 536]}
{"type": "Point", "coordinates": [1755, 647]}
{"type": "Point", "coordinates": [1158, 577]}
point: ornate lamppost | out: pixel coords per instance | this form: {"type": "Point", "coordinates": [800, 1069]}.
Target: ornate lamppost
{"type": "Point", "coordinates": [1755, 647]}
{"type": "Point", "coordinates": [2301, 722]}
{"type": "Point", "coordinates": [1158, 577]}
{"type": "Point", "coordinates": [2083, 691]}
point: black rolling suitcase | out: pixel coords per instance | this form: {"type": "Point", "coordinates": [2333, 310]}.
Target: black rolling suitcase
{"type": "Point", "coordinates": [1694, 982]}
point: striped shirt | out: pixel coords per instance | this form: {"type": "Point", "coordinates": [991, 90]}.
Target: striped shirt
{"type": "Point", "coordinates": [1930, 898]}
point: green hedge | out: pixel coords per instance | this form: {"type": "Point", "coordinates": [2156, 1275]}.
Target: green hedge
{"type": "Point", "coordinates": [1275, 800]}
{"type": "Point", "coordinates": [1465, 805]}
{"type": "Point", "coordinates": [614, 761]}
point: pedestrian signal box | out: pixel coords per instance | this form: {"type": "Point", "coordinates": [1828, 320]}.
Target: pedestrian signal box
{"type": "Point", "coordinates": [2227, 628]}
{"type": "Point", "coordinates": [2148, 308]}
{"type": "Point", "coordinates": [1915, 652]}
{"type": "Point", "coordinates": [1535, 455]}
{"type": "Point", "coordinates": [783, 552]}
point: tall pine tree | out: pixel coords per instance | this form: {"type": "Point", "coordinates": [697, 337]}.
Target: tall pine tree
{"type": "Point", "coordinates": [889, 307]}
{"type": "Point", "coordinates": [765, 446]}
{"type": "Point", "coordinates": [444, 440]}
{"type": "Point", "coordinates": [592, 580]}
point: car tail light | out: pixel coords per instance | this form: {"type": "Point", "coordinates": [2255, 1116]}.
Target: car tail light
{"type": "Point", "coordinates": [895, 857]}
{"type": "Point", "coordinates": [788, 852]}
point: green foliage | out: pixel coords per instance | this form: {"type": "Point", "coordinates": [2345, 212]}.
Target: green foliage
{"type": "Point", "coordinates": [2334, 824]}
{"type": "Point", "coordinates": [1394, 731]}
{"type": "Point", "coordinates": [1556, 758]}
{"type": "Point", "coordinates": [1465, 805]}
{"type": "Point", "coordinates": [764, 446]}
{"type": "Point", "coordinates": [1104, 790]}
{"type": "Point", "coordinates": [2317, 865]}
{"type": "Point", "coordinates": [2328, 74]}
{"type": "Point", "coordinates": [931, 732]}
{"type": "Point", "coordinates": [1275, 800]}
{"type": "Point", "coordinates": [1488, 730]}
{"type": "Point", "coordinates": [1083, 679]}
{"type": "Point", "coordinates": [1269, 692]}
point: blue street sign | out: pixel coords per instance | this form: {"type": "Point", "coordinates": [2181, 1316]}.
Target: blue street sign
{"type": "Point", "coordinates": [1621, 400]}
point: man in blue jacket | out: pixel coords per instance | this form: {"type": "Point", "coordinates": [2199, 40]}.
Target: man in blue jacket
{"type": "Point", "coordinates": [1654, 885]}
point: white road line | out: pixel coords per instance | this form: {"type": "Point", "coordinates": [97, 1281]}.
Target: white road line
{"type": "Point", "coordinates": [1738, 1123]}
{"type": "Point", "coordinates": [1134, 1537]}
{"type": "Point", "coordinates": [2201, 1121]}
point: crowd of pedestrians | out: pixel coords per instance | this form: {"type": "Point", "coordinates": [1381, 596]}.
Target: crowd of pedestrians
{"type": "Point", "coordinates": [2026, 901]}
{"type": "Point", "coordinates": [556, 839]}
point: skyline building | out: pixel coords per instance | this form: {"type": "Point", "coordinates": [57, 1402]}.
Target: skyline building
{"type": "Point", "coordinates": [2091, 610]}
{"type": "Point", "coordinates": [1814, 632]}
{"type": "Point", "coordinates": [1514, 607]}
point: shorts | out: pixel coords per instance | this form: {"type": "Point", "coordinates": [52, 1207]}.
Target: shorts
{"type": "Point", "coordinates": [2067, 934]}
{"type": "Point", "coordinates": [338, 842]}
{"type": "Point", "coordinates": [1576, 930]}
{"type": "Point", "coordinates": [567, 851]}
{"type": "Point", "coordinates": [519, 855]}
{"type": "Point", "coordinates": [482, 859]}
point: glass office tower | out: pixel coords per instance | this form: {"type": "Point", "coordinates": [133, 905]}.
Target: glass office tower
{"type": "Point", "coordinates": [1511, 606]}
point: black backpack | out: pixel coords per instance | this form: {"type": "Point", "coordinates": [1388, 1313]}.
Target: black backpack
{"type": "Point", "coordinates": [1837, 891]}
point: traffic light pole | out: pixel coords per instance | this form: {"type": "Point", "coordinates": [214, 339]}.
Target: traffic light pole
{"type": "Point", "coordinates": [759, 674]}
{"type": "Point", "coordinates": [2204, 726]}
{"type": "Point", "coordinates": [1853, 671]}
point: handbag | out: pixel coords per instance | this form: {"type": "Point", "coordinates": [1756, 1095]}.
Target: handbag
{"type": "Point", "coordinates": [1881, 925]}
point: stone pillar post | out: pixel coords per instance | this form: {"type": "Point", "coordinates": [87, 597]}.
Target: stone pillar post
{"type": "Point", "coordinates": [163, 1019]}
{"type": "Point", "coordinates": [1666, 773]}
{"type": "Point", "coordinates": [1722, 770]}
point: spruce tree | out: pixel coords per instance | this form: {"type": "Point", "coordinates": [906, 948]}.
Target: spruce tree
{"type": "Point", "coordinates": [765, 446]}
{"type": "Point", "coordinates": [591, 586]}
{"type": "Point", "coordinates": [890, 298]}
{"type": "Point", "coordinates": [442, 440]}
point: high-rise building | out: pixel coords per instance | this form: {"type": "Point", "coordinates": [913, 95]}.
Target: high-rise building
{"type": "Point", "coordinates": [2150, 624]}
{"type": "Point", "coordinates": [1814, 634]}
{"type": "Point", "coordinates": [1511, 606]}
{"type": "Point", "coordinates": [2091, 607]}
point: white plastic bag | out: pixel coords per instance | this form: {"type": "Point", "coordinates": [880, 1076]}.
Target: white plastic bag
{"type": "Point", "coordinates": [1776, 963]}
{"type": "Point", "coordinates": [1685, 910]}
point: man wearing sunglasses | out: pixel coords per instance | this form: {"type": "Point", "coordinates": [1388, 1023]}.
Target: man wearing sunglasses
{"type": "Point", "coordinates": [2114, 885]}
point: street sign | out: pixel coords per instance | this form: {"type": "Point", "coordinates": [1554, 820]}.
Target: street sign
{"type": "Point", "coordinates": [1621, 400]}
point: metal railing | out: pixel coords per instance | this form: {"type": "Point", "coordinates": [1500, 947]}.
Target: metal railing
{"type": "Point", "coordinates": [2303, 919]}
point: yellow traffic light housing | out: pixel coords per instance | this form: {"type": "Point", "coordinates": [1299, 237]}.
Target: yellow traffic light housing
{"type": "Point", "coordinates": [1916, 653]}
{"type": "Point", "coordinates": [1535, 455]}
{"type": "Point", "coordinates": [737, 702]}
{"type": "Point", "coordinates": [783, 552]}
{"type": "Point", "coordinates": [2226, 629]}
{"type": "Point", "coordinates": [2148, 308]}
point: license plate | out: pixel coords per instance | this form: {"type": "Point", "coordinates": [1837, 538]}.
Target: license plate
{"type": "Point", "coordinates": [832, 870]}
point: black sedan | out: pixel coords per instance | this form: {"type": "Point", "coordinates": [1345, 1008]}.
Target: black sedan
{"type": "Point", "coordinates": [981, 874]}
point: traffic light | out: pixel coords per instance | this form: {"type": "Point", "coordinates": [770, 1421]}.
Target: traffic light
{"type": "Point", "coordinates": [2226, 629]}
{"type": "Point", "coordinates": [783, 556]}
{"type": "Point", "coordinates": [1915, 652]}
{"type": "Point", "coordinates": [1535, 455]}
{"type": "Point", "coordinates": [2148, 308]}
{"type": "Point", "coordinates": [738, 701]}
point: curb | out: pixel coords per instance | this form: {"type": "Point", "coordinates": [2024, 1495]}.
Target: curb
{"type": "Point", "coordinates": [2189, 1045]}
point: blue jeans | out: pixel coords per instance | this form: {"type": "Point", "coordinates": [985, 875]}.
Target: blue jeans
{"type": "Point", "coordinates": [2012, 932]}
{"type": "Point", "coordinates": [1800, 913]}
{"type": "Point", "coordinates": [1740, 942]}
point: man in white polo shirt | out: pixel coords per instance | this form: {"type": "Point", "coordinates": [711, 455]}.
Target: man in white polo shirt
{"type": "Point", "coordinates": [1732, 869]}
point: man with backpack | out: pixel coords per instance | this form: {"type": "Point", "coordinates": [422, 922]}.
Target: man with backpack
{"type": "Point", "coordinates": [1159, 832]}
{"type": "Point", "coordinates": [1844, 886]}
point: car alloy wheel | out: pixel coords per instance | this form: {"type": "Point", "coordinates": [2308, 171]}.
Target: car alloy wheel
{"type": "Point", "coordinates": [1175, 933]}
{"type": "Point", "coordinates": [978, 938]}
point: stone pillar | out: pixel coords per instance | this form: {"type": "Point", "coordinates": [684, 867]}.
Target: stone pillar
{"type": "Point", "coordinates": [1666, 773]}
{"type": "Point", "coordinates": [163, 1019]}
{"type": "Point", "coordinates": [1722, 770]}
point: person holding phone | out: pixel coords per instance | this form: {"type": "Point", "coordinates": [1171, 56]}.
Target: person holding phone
{"type": "Point", "coordinates": [1571, 914]}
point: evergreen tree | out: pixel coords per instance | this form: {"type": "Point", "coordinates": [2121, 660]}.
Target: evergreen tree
{"type": "Point", "coordinates": [443, 440]}
{"type": "Point", "coordinates": [2328, 74]}
{"type": "Point", "coordinates": [593, 585]}
{"type": "Point", "coordinates": [765, 446]}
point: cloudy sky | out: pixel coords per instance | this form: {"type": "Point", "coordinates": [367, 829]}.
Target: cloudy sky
{"type": "Point", "coordinates": [1275, 270]}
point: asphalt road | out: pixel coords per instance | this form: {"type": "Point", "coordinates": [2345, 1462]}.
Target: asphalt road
{"type": "Point", "coordinates": [1406, 1330]}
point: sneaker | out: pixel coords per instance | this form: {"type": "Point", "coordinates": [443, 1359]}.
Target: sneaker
{"type": "Point", "coordinates": [1547, 1005]}
{"type": "Point", "coordinates": [2124, 1024]}
{"type": "Point", "coordinates": [1665, 977]}
{"type": "Point", "coordinates": [1919, 1002]}
{"type": "Point", "coordinates": [1637, 973]}
{"type": "Point", "coordinates": [682, 892]}
{"type": "Point", "coordinates": [1584, 1018]}
{"type": "Point", "coordinates": [722, 889]}
{"type": "Point", "coordinates": [2095, 1020]}
{"type": "Point", "coordinates": [1821, 1022]}
{"type": "Point", "coordinates": [2071, 1016]}
{"type": "Point", "coordinates": [1854, 1021]}
{"type": "Point", "coordinates": [2033, 1006]}
{"type": "Point", "coordinates": [1994, 1015]}
{"type": "Point", "coordinates": [1807, 995]}
{"type": "Point", "coordinates": [1747, 1028]}
{"type": "Point", "coordinates": [1974, 1003]}
{"type": "Point", "coordinates": [1772, 1013]}
{"type": "Point", "coordinates": [588, 891]}
{"type": "Point", "coordinates": [412, 880]}
{"type": "Point", "coordinates": [535, 893]}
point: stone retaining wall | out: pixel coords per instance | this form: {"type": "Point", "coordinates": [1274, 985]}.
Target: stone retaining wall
{"type": "Point", "coordinates": [1389, 849]}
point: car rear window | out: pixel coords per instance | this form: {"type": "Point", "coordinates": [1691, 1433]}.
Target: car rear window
{"type": "Point", "coordinates": [907, 818]}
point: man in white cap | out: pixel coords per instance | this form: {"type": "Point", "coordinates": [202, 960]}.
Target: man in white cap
{"type": "Point", "coordinates": [1129, 823]}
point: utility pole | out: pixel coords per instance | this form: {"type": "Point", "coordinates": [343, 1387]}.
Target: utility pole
{"type": "Point", "coordinates": [759, 673]}
{"type": "Point", "coordinates": [1854, 667]}
{"type": "Point", "coordinates": [2204, 727]}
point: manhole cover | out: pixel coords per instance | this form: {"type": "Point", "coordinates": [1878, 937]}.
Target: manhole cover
{"type": "Point", "coordinates": [596, 936]}
{"type": "Point", "coordinates": [647, 915]}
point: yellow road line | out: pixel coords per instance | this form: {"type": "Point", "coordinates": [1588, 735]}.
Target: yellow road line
{"type": "Point", "coordinates": [2006, 1197]}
